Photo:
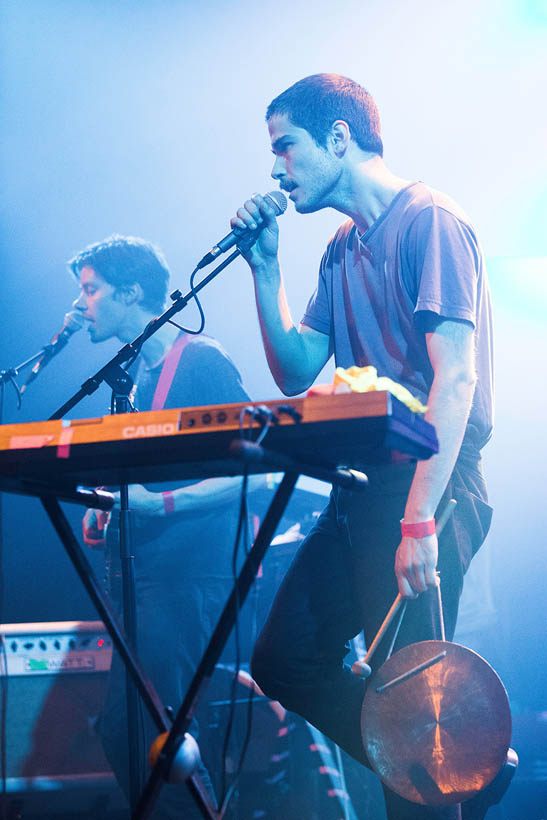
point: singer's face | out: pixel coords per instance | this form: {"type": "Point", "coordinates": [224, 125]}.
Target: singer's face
{"type": "Point", "coordinates": [104, 312]}
{"type": "Point", "coordinates": [306, 171]}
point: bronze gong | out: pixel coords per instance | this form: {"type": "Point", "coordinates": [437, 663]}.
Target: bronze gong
{"type": "Point", "coordinates": [436, 723]}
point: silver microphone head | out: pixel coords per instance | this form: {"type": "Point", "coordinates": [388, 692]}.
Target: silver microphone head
{"type": "Point", "coordinates": [278, 200]}
{"type": "Point", "coordinates": [73, 321]}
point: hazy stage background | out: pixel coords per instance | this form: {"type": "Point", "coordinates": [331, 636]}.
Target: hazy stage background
{"type": "Point", "coordinates": [148, 119]}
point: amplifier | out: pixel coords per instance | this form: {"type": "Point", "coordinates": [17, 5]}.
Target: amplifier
{"type": "Point", "coordinates": [63, 647]}
{"type": "Point", "coordinates": [55, 676]}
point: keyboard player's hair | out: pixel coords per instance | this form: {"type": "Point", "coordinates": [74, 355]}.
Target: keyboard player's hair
{"type": "Point", "coordinates": [126, 260]}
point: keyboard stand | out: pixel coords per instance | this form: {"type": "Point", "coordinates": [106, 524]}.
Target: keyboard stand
{"type": "Point", "coordinates": [250, 456]}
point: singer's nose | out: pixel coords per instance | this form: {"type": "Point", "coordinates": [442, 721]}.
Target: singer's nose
{"type": "Point", "coordinates": [278, 170]}
{"type": "Point", "coordinates": [79, 302]}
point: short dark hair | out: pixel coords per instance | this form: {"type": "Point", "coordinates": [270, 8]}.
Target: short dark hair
{"type": "Point", "coordinates": [127, 260]}
{"type": "Point", "coordinates": [315, 102]}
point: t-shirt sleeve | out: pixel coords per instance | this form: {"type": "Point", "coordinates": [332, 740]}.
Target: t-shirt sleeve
{"type": "Point", "coordinates": [318, 314]}
{"type": "Point", "coordinates": [206, 375]}
{"type": "Point", "coordinates": [443, 259]}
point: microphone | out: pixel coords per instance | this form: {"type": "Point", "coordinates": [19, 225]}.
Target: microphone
{"type": "Point", "coordinates": [279, 203]}
{"type": "Point", "coordinates": [73, 322]}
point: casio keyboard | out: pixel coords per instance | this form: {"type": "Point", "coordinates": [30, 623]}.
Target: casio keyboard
{"type": "Point", "coordinates": [353, 429]}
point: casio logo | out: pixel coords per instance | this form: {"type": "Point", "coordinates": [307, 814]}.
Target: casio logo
{"type": "Point", "coordinates": [145, 430]}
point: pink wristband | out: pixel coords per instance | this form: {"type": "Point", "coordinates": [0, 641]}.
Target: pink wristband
{"type": "Point", "coordinates": [419, 530]}
{"type": "Point", "coordinates": [168, 502]}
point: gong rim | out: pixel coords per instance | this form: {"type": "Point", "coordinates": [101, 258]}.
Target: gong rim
{"type": "Point", "coordinates": [441, 735]}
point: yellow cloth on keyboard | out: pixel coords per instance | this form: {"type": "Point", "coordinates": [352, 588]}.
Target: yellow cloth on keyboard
{"type": "Point", "coordinates": [365, 379]}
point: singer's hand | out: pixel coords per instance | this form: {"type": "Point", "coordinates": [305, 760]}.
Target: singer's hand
{"type": "Point", "coordinates": [415, 564]}
{"type": "Point", "coordinates": [254, 213]}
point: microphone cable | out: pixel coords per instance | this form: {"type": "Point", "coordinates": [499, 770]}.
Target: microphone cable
{"type": "Point", "coordinates": [263, 415]}
{"type": "Point", "coordinates": [137, 349]}
{"type": "Point", "coordinates": [195, 296]}
{"type": "Point", "coordinates": [242, 529]}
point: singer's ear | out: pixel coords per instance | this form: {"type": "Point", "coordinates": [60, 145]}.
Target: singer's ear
{"type": "Point", "coordinates": [340, 137]}
{"type": "Point", "coordinates": [130, 294]}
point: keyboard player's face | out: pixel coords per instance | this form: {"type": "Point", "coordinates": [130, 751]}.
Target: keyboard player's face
{"type": "Point", "coordinates": [102, 306]}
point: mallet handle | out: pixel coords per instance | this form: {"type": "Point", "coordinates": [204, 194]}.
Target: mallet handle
{"type": "Point", "coordinates": [442, 520]}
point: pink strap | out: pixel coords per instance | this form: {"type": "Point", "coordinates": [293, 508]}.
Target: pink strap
{"type": "Point", "coordinates": [168, 371]}
{"type": "Point", "coordinates": [168, 502]}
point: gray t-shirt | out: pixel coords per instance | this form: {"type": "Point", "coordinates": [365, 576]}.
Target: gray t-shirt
{"type": "Point", "coordinates": [420, 255]}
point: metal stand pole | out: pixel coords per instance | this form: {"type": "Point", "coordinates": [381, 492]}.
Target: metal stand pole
{"type": "Point", "coordinates": [122, 384]}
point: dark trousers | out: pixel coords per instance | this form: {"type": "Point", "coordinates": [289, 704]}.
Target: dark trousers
{"type": "Point", "coordinates": [341, 581]}
{"type": "Point", "coordinates": [176, 616]}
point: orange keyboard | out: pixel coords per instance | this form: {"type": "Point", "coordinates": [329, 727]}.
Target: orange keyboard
{"type": "Point", "coordinates": [350, 429]}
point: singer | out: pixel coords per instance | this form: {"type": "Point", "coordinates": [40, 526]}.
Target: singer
{"type": "Point", "coordinates": [401, 286]}
{"type": "Point", "coordinates": [182, 535]}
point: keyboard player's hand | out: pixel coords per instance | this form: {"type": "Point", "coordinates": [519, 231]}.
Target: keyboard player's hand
{"type": "Point", "coordinates": [142, 502]}
{"type": "Point", "coordinates": [94, 525]}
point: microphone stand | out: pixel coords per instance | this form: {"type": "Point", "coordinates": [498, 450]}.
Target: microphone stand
{"type": "Point", "coordinates": [10, 374]}
{"type": "Point", "coordinates": [44, 355]}
{"type": "Point", "coordinates": [121, 389]}
{"type": "Point", "coordinates": [121, 383]}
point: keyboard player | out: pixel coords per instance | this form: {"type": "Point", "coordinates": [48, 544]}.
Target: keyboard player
{"type": "Point", "coordinates": [184, 533]}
